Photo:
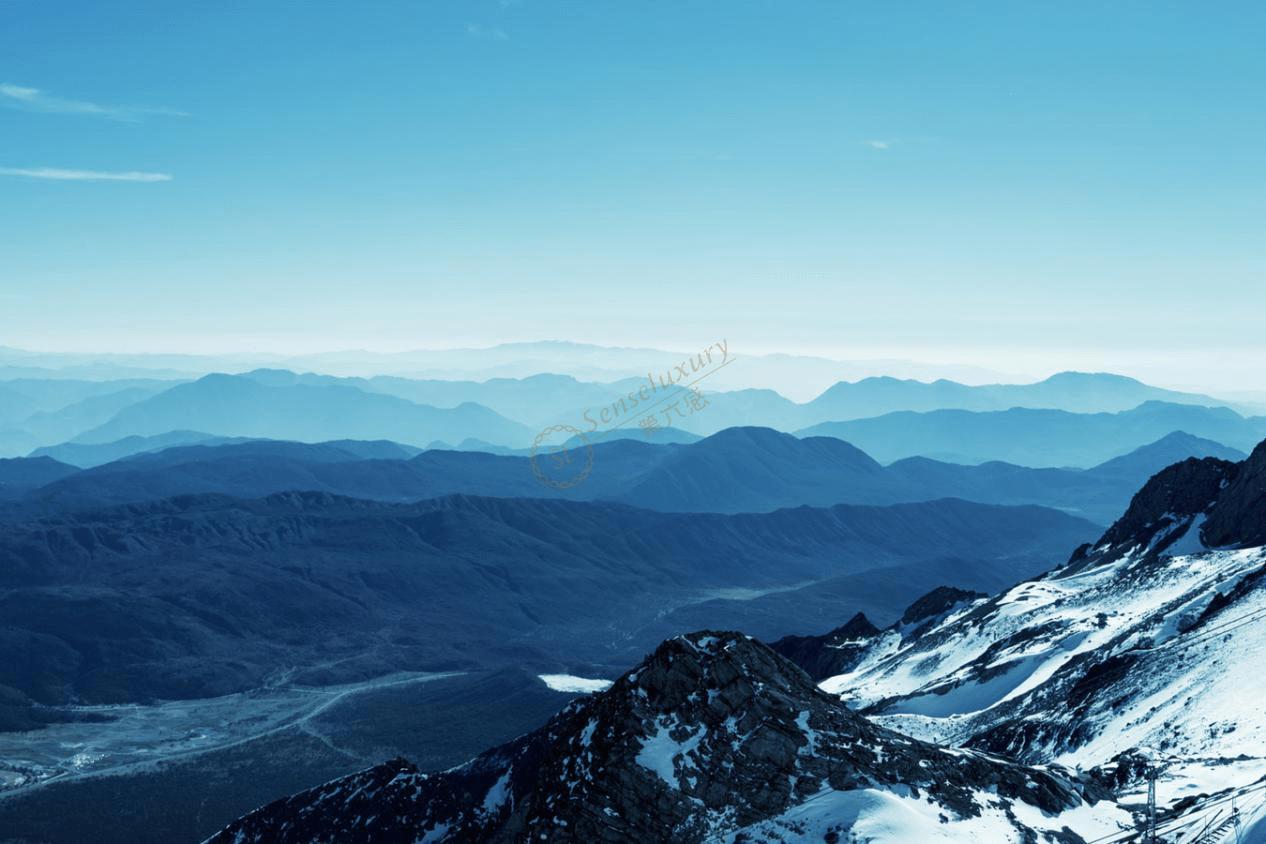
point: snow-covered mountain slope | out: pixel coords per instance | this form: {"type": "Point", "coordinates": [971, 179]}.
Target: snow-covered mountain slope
{"type": "Point", "coordinates": [1148, 639]}
{"type": "Point", "coordinates": [1076, 668]}
{"type": "Point", "coordinates": [714, 737]}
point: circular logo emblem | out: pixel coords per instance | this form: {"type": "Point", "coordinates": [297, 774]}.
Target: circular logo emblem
{"type": "Point", "coordinates": [561, 456]}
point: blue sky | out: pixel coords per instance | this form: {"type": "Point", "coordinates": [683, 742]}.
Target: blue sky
{"type": "Point", "coordinates": [1037, 183]}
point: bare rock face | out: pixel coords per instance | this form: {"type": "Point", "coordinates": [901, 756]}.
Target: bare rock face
{"type": "Point", "coordinates": [1163, 510]}
{"type": "Point", "coordinates": [833, 653]}
{"type": "Point", "coordinates": [936, 604]}
{"type": "Point", "coordinates": [713, 732]}
{"type": "Point", "coordinates": [1239, 518]}
{"type": "Point", "coordinates": [1224, 501]}
{"type": "Point", "coordinates": [841, 650]}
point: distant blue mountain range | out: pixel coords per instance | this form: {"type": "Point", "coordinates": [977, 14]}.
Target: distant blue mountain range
{"type": "Point", "coordinates": [736, 470]}
{"type": "Point", "coordinates": [1070, 419]}
{"type": "Point", "coordinates": [1033, 437]}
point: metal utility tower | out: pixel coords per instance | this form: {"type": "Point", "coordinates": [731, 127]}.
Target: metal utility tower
{"type": "Point", "coordinates": [1152, 773]}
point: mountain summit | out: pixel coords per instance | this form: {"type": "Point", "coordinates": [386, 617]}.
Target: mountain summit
{"type": "Point", "coordinates": [1190, 506]}
{"type": "Point", "coordinates": [712, 737]}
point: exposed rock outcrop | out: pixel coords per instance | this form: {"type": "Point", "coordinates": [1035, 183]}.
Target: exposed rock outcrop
{"type": "Point", "coordinates": [712, 733]}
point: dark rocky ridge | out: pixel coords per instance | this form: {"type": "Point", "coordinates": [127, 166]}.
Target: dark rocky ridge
{"type": "Point", "coordinates": [833, 653]}
{"type": "Point", "coordinates": [1239, 518]}
{"type": "Point", "coordinates": [711, 733]}
{"type": "Point", "coordinates": [939, 601]}
{"type": "Point", "coordinates": [1161, 511]}
{"type": "Point", "coordinates": [840, 651]}
{"type": "Point", "coordinates": [1231, 498]}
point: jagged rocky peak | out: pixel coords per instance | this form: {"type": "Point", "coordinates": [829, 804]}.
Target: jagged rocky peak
{"type": "Point", "coordinates": [1163, 510]}
{"type": "Point", "coordinates": [857, 627]}
{"type": "Point", "coordinates": [841, 650]}
{"type": "Point", "coordinates": [1190, 506]}
{"type": "Point", "coordinates": [938, 602]}
{"type": "Point", "coordinates": [830, 654]}
{"type": "Point", "coordinates": [1239, 518]}
{"type": "Point", "coordinates": [833, 653]}
{"type": "Point", "coordinates": [713, 737]}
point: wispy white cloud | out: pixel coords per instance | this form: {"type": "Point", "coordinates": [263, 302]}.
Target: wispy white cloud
{"type": "Point", "coordinates": [17, 92]}
{"type": "Point", "coordinates": [60, 175]}
{"type": "Point", "coordinates": [880, 144]}
{"type": "Point", "coordinates": [490, 33]}
{"type": "Point", "coordinates": [33, 99]}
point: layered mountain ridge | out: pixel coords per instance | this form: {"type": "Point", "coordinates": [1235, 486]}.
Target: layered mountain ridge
{"type": "Point", "coordinates": [200, 595]}
{"type": "Point", "coordinates": [505, 412]}
{"type": "Point", "coordinates": [1037, 437]}
{"type": "Point", "coordinates": [736, 470]}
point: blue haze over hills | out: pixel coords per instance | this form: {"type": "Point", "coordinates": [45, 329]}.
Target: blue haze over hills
{"type": "Point", "coordinates": [505, 413]}
{"type": "Point", "coordinates": [186, 536]}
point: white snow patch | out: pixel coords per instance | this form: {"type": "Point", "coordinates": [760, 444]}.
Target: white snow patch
{"type": "Point", "coordinates": [571, 683]}
{"type": "Point", "coordinates": [496, 796]}
{"type": "Point", "coordinates": [1189, 542]}
{"type": "Point", "coordinates": [660, 749]}
{"type": "Point", "coordinates": [586, 735]}
{"type": "Point", "coordinates": [875, 815]}
{"type": "Point", "coordinates": [810, 734]}
{"type": "Point", "coordinates": [434, 834]}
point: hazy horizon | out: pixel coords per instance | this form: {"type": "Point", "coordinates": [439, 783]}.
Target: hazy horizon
{"type": "Point", "coordinates": [792, 381]}
{"type": "Point", "coordinates": [1016, 187]}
